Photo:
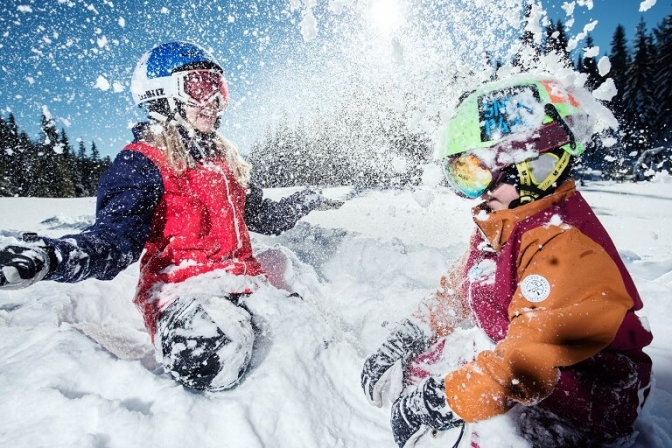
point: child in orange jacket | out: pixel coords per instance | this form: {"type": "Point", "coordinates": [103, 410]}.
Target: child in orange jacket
{"type": "Point", "coordinates": [541, 278]}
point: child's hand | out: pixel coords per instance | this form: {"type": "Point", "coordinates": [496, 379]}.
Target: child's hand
{"type": "Point", "coordinates": [420, 410]}
{"type": "Point", "coordinates": [405, 342]}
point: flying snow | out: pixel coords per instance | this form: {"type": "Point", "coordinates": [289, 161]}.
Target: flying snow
{"type": "Point", "coordinates": [604, 65]}
{"type": "Point", "coordinates": [308, 25]}
{"type": "Point", "coordinates": [646, 5]}
{"type": "Point", "coordinates": [102, 83]}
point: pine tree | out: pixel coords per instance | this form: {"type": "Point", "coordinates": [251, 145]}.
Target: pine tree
{"type": "Point", "coordinates": [27, 165]}
{"type": "Point", "coordinates": [619, 57]}
{"type": "Point", "coordinates": [96, 169]}
{"type": "Point", "coordinates": [638, 97]}
{"type": "Point", "coordinates": [620, 60]}
{"type": "Point", "coordinates": [283, 153]}
{"type": "Point", "coordinates": [563, 43]}
{"type": "Point", "coordinates": [663, 83]}
{"type": "Point", "coordinates": [308, 166]}
{"type": "Point", "coordinates": [556, 41]}
{"type": "Point", "coordinates": [13, 157]}
{"type": "Point", "coordinates": [45, 181]}
{"type": "Point", "coordinates": [258, 158]}
{"type": "Point", "coordinates": [82, 177]}
{"type": "Point", "coordinates": [5, 161]}
{"type": "Point", "coordinates": [66, 168]}
{"type": "Point", "coordinates": [588, 65]}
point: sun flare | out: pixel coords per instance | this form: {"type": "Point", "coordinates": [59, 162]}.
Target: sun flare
{"type": "Point", "coordinates": [385, 15]}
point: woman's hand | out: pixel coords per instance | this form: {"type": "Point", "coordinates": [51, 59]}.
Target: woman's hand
{"type": "Point", "coordinates": [22, 266]}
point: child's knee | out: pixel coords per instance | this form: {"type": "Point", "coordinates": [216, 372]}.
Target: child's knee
{"type": "Point", "coordinates": [206, 344]}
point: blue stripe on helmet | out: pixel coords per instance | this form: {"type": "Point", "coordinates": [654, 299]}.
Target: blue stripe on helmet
{"type": "Point", "coordinates": [166, 58]}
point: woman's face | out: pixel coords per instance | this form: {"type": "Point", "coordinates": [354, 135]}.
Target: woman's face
{"type": "Point", "coordinates": [202, 117]}
{"type": "Point", "coordinates": [501, 196]}
{"type": "Point", "coordinates": [206, 94]}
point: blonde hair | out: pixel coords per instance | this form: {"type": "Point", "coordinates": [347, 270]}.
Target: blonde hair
{"type": "Point", "coordinates": [165, 136]}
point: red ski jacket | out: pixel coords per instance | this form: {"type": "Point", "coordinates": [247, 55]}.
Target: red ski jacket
{"type": "Point", "coordinates": [185, 224]}
{"type": "Point", "coordinates": [198, 226]}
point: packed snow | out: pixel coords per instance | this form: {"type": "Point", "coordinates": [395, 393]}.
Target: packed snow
{"type": "Point", "coordinates": [77, 368]}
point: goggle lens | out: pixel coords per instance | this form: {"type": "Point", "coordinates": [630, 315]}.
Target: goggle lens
{"type": "Point", "coordinates": [468, 175]}
{"type": "Point", "coordinates": [202, 85]}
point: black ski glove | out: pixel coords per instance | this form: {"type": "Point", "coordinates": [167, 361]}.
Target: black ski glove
{"type": "Point", "coordinates": [22, 266]}
{"type": "Point", "coordinates": [425, 408]}
{"type": "Point", "coordinates": [406, 341]}
{"type": "Point", "coordinates": [313, 200]}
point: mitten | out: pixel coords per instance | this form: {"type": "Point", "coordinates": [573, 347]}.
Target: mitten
{"type": "Point", "coordinates": [313, 200]}
{"type": "Point", "coordinates": [22, 266]}
{"type": "Point", "coordinates": [424, 408]}
{"type": "Point", "coordinates": [406, 341]}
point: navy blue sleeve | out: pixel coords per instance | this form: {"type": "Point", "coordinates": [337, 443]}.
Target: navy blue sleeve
{"type": "Point", "coordinates": [128, 193]}
{"type": "Point", "coordinates": [272, 218]}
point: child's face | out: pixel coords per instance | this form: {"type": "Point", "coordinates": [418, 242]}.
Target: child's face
{"type": "Point", "coordinates": [500, 197]}
{"type": "Point", "coordinates": [202, 118]}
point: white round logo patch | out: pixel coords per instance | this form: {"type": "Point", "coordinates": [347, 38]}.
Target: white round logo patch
{"type": "Point", "coordinates": [535, 288]}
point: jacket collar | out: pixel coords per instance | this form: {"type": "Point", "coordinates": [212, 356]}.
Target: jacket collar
{"type": "Point", "coordinates": [200, 146]}
{"type": "Point", "coordinates": [497, 226]}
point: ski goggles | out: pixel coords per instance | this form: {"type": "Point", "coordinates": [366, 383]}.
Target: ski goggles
{"type": "Point", "coordinates": [198, 87]}
{"type": "Point", "coordinates": [468, 175]}
{"type": "Point", "coordinates": [471, 174]}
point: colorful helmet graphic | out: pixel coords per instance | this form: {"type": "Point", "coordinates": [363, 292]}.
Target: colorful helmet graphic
{"type": "Point", "coordinates": [531, 122]}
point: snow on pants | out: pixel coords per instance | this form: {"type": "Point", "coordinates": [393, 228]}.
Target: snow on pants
{"type": "Point", "coordinates": [205, 343]}
{"type": "Point", "coordinates": [597, 400]}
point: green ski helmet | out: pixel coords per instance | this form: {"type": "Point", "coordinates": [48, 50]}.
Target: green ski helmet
{"type": "Point", "coordinates": [528, 122]}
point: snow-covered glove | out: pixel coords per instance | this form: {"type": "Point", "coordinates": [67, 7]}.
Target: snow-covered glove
{"type": "Point", "coordinates": [421, 410]}
{"type": "Point", "coordinates": [406, 340]}
{"type": "Point", "coordinates": [21, 266]}
{"type": "Point", "coordinates": [313, 200]}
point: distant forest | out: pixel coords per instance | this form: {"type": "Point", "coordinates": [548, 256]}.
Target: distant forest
{"type": "Point", "coordinates": [642, 74]}
{"type": "Point", "coordinates": [375, 147]}
{"type": "Point", "coordinates": [48, 167]}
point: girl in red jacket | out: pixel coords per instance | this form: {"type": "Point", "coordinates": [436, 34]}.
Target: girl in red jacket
{"type": "Point", "coordinates": [541, 278]}
{"type": "Point", "coordinates": [180, 196]}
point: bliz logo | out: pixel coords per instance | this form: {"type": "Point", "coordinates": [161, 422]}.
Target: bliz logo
{"type": "Point", "coordinates": [153, 93]}
{"type": "Point", "coordinates": [501, 112]}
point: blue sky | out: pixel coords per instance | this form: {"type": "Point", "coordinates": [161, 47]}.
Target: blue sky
{"type": "Point", "coordinates": [54, 53]}
{"type": "Point", "coordinates": [74, 58]}
{"type": "Point", "coordinates": [609, 14]}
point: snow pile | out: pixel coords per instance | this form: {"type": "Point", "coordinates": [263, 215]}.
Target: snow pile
{"type": "Point", "coordinates": [77, 368]}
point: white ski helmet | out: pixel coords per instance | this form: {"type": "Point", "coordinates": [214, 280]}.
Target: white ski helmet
{"type": "Point", "coordinates": [177, 71]}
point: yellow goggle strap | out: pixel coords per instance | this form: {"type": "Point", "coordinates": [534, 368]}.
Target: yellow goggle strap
{"type": "Point", "coordinates": [528, 189]}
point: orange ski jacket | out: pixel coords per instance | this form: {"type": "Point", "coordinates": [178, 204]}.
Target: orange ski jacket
{"type": "Point", "coordinates": [545, 282]}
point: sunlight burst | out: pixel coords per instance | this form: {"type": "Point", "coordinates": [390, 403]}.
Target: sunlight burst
{"type": "Point", "coordinates": [386, 15]}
